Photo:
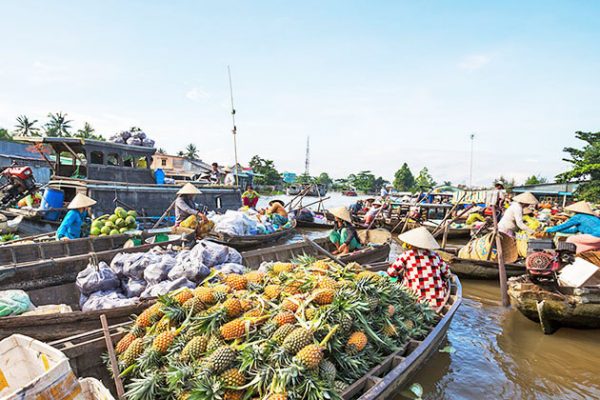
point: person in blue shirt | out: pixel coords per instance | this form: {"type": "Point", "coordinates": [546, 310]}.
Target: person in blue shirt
{"type": "Point", "coordinates": [70, 227]}
{"type": "Point", "coordinates": [585, 224]}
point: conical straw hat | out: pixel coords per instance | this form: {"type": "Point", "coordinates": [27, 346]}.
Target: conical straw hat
{"type": "Point", "coordinates": [81, 201]}
{"type": "Point", "coordinates": [581, 207]}
{"type": "Point", "coordinates": [526, 198]}
{"type": "Point", "coordinates": [419, 237]}
{"type": "Point", "coordinates": [188, 188]}
{"type": "Point", "coordinates": [342, 213]}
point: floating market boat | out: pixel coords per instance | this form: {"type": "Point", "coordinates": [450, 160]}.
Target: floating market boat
{"type": "Point", "coordinates": [243, 242]}
{"type": "Point", "coordinates": [480, 269]}
{"type": "Point", "coordinates": [315, 225]}
{"type": "Point", "coordinates": [312, 191]}
{"type": "Point", "coordinates": [554, 306]}
{"type": "Point", "coordinates": [377, 251]}
{"type": "Point", "coordinates": [382, 382]}
{"type": "Point", "coordinates": [112, 174]}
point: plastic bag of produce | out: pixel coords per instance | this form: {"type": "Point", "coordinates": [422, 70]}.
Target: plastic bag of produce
{"type": "Point", "coordinates": [158, 272]}
{"type": "Point", "coordinates": [118, 262]}
{"type": "Point", "coordinates": [95, 278]}
{"type": "Point", "coordinates": [14, 302]}
{"type": "Point", "coordinates": [166, 287]}
{"type": "Point", "coordinates": [125, 135]}
{"type": "Point", "coordinates": [233, 256]}
{"type": "Point", "coordinates": [209, 253]}
{"type": "Point", "coordinates": [134, 141]}
{"type": "Point", "coordinates": [107, 299]}
{"type": "Point", "coordinates": [231, 268]}
{"type": "Point", "coordinates": [190, 270]}
{"type": "Point", "coordinates": [134, 287]}
{"type": "Point", "coordinates": [136, 268]}
{"type": "Point", "coordinates": [148, 142]}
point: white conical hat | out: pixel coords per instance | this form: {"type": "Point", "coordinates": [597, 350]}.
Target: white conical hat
{"type": "Point", "coordinates": [342, 213]}
{"type": "Point", "coordinates": [526, 198]}
{"type": "Point", "coordinates": [419, 237]}
{"type": "Point", "coordinates": [188, 188]}
{"type": "Point", "coordinates": [81, 201]}
{"type": "Point", "coordinates": [581, 207]}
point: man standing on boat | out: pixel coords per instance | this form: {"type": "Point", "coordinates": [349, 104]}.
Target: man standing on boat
{"type": "Point", "coordinates": [70, 227]}
{"type": "Point", "coordinates": [215, 174]}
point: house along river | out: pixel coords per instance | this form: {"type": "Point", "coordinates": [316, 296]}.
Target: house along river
{"type": "Point", "coordinates": [496, 353]}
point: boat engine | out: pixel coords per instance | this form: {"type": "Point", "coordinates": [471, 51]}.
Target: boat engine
{"type": "Point", "coordinates": [18, 183]}
{"type": "Point", "coordinates": [544, 265]}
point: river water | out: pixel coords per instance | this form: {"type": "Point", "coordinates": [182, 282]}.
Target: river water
{"type": "Point", "coordinates": [500, 354]}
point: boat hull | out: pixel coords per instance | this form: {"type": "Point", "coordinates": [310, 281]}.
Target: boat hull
{"type": "Point", "coordinates": [251, 241]}
{"type": "Point", "coordinates": [553, 309]}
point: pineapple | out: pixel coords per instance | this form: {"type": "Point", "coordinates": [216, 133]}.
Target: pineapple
{"type": "Point", "coordinates": [137, 331]}
{"type": "Point", "coordinates": [149, 316]}
{"type": "Point", "coordinates": [346, 323]}
{"type": "Point", "coordinates": [222, 359]}
{"type": "Point", "coordinates": [339, 386]}
{"type": "Point", "coordinates": [135, 349]}
{"type": "Point", "coordinates": [310, 356]}
{"type": "Point", "coordinates": [272, 292]}
{"type": "Point", "coordinates": [124, 343]}
{"type": "Point", "coordinates": [373, 303]}
{"type": "Point", "coordinates": [323, 296]}
{"type": "Point", "coordinates": [182, 296]}
{"type": "Point", "coordinates": [193, 306]}
{"type": "Point", "coordinates": [255, 277]}
{"type": "Point", "coordinates": [367, 275]}
{"type": "Point", "coordinates": [282, 332]}
{"type": "Point", "coordinates": [232, 307]}
{"type": "Point", "coordinates": [163, 341]}
{"type": "Point", "coordinates": [233, 378]}
{"type": "Point", "coordinates": [390, 330]}
{"type": "Point", "coordinates": [325, 282]}
{"type": "Point", "coordinates": [214, 343]}
{"type": "Point", "coordinates": [327, 371]}
{"type": "Point", "coordinates": [277, 396]}
{"type": "Point", "coordinates": [194, 348]}
{"type": "Point", "coordinates": [280, 267]}
{"type": "Point", "coordinates": [205, 294]}
{"type": "Point", "coordinates": [233, 395]}
{"type": "Point", "coordinates": [391, 310]}
{"type": "Point", "coordinates": [246, 304]}
{"type": "Point", "coordinates": [283, 318]}
{"type": "Point", "coordinates": [298, 339]}
{"type": "Point", "coordinates": [290, 304]}
{"type": "Point", "coordinates": [236, 282]}
{"type": "Point", "coordinates": [234, 329]}
{"type": "Point", "coordinates": [356, 342]}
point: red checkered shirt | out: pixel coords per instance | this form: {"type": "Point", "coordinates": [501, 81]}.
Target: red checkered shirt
{"type": "Point", "coordinates": [425, 273]}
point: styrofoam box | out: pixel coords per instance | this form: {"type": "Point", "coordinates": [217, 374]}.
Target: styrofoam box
{"type": "Point", "coordinates": [93, 389]}
{"type": "Point", "coordinates": [30, 369]}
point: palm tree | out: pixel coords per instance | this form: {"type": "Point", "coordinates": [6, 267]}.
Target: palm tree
{"type": "Point", "coordinates": [58, 126]}
{"type": "Point", "coordinates": [191, 152]}
{"type": "Point", "coordinates": [26, 127]}
{"type": "Point", "coordinates": [87, 132]}
{"type": "Point", "coordinates": [161, 151]}
{"type": "Point", "coordinates": [180, 153]}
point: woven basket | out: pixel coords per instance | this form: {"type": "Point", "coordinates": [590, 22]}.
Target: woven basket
{"type": "Point", "coordinates": [592, 256]}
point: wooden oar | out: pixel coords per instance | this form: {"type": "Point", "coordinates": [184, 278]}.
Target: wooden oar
{"type": "Point", "coordinates": [112, 357]}
{"type": "Point", "coordinates": [323, 251]}
{"type": "Point", "coordinates": [500, 256]}
{"type": "Point", "coordinates": [164, 214]}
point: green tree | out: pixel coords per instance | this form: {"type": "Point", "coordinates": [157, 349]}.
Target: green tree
{"type": "Point", "coordinates": [364, 181]}
{"type": "Point", "coordinates": [58, 126]}
{"type": "Point", "coordinates": [379, 183]}
{"type": "Point", "coordinates": [180, 153]}
{"type": "Point", "coordinates": [305, 179]}
{"type": "Point", "coordinates": [447, 183]}
{"type": "Point", "coordinates": [340, 184]}
{"type": "Point", "coordinates": [161, 151]}
{"type": "Point", "coordinates": [404, 180]}
{"type": "Point", "coordinates": [508, 184]}
{"type": "Point", "coordinates": [267, 173]}
{"type": "Point", "coordinates": [324, 179]}
{"type": "Point", "coordinates": [191, 152]}
{"type": "Point", "coordinates": [5, 135]}
{"type": "Point", "coordinates": [424, 181]}
{"type": "Point", "coordinates": [87, 132]}
{"type": "Point", "coordinates": [585, 166]}
{"type": "Point", "coordinates": [535, 180]}
{"type": "Point", "coordinates": [26, 127]}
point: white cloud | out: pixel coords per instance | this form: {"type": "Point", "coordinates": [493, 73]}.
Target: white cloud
{"type": "Point", "coordinates": [196, 94]}
{"type": "Point", "coordinates": [474, 62]}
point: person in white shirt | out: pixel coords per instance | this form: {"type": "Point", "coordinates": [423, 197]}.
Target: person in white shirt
{"type": "Point", "coordinates": [513, 216]}
{"type": "Point", "coordinates": [229, 178]}
{"type": "Point", "coordinates": [497, 196]}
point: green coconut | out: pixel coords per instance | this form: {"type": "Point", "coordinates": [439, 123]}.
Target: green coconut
{"type": "Point", "coordinates": [97, 224]}
{"type": "Point", "coordinates": [95, 231]}
{"type": "Point", "coordinates": [115, 232]}
{"type": "Point", "coordinates": [132, 213]}
{"type": "Point", "coordinates": [130, 220]}
{"type": "Point", "coordinates": [120, 223]}
{"type": "Point", "coordinates": [105, 230]}
{"type": "Point", "coordinates": [113, 218]}
{"type": "Point", "coordinates": [123, 230]}
{"type": "Point", "coordinates": [120, 212]}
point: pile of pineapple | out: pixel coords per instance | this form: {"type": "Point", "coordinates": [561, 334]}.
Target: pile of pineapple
{"type": "Point", "coordinates": [301, 330]}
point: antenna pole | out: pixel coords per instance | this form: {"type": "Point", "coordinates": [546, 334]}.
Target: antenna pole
{"type": "Point", "coordinates": [307, 161]}
{"type": "Point", "coordinates": [234, 129]}
{"type": "Point", "coordinates": [471, 166]}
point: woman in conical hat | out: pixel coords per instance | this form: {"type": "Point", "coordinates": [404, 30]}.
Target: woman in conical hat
{"type": "Point", "coordinates": [584, 223]}
{"type": "Point", "coordinates": [344, 235]}
{"type": "Point", "coordinates": [185, 205]}
{"type": "Point", "coordinates": [70, 227]}
{"type": "Point", "coordinates": [513, 216]}
{"type": "Point", "coordinates": [422, 270]}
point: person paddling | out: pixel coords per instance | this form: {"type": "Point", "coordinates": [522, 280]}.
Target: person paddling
{"type": "Point", "coordinates": [421, 269]}
{"type": "Point", "coordinates": [70, 227]}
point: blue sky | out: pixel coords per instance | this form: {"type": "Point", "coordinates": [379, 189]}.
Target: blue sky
{"type": "Point", "coordinates": [374, 84]}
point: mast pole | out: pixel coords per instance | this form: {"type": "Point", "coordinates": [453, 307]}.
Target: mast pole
{"type": "Point", "coordinates": [234, 129]}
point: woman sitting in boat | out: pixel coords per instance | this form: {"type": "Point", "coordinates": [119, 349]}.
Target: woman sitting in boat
{"type": "Point", "coordinates": [422, 270]}
{"type": "Point", "coordinates": [185, 205]}
{"type": "Point", "coordinates": [513, 216]}
{"type": "Point", "coordinates": [344, 235]}
{"type": "Point", "coordinates": [70, 227]}
{"type": "Point", "coordinates": [584, 223]}
{"type": "Point", "coordinates": [276, 213]}
{"type": "Point", "coordinates": [250, 197]}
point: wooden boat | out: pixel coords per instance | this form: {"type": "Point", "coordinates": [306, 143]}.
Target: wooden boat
{"type": "Point", "coordinates": [314, 190]}
{"type": "Point", "coordinates": [379, 251]}
{"type": "Point", "coordinates": [52, 281]}
{"type": "Point", "coordinates": [251, 241]}
{"type": "Point", "coordinates": [383, 381]}
{"type": "Point", "coordinates": [315, 225]}
{"type": "Point", "coordinates": [554, 306]}
{"type": "Point", "coordinates": [479, 269]}
{"type": "Point", "coordinates": [350, 193]}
